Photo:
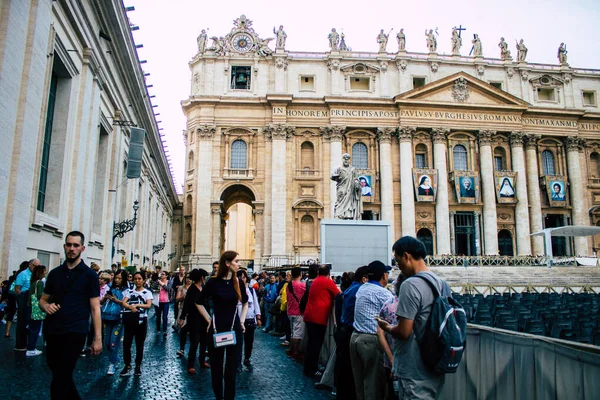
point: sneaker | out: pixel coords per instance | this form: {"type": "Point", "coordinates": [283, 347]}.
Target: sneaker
{"type": "Point", "coordinates": [282, 338]}
{"type": "Point", "coordinates": [138, 370]}
{"type": "Point", "coordinates": [285, 343]}
{"type": "Point", "coordinates": [126, 370]}
{"type": "Point", "coordinates": [23, 349]}
{"type": "Point", "coordinates": [191, 371]}
{"type": "Point", "coordinates": [33, 353]}
{"type": "Point", "coordinates": [180, 353]}
{"type": "Point", "coordinates": [111, 369]}
{"type": "Point", "coordinates": [265, 330]}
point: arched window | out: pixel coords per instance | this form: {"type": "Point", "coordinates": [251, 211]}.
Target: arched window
{"type": "Point", "coordinates": [499, 159]}
{"type": "Point", "coordinates": [190, 161]}
{"type": "Point", "coordinates": [421, 156]}
{"type": "Point", "coordinates": [505, 243]}
{"type": "Point", "coordinates": [425, 236]}
{"type": "Point", "coordinates": [548, 163]}
{"type": "Point", "coordinates": [187, 238]}
{"type": "Point", "coordinates": [460, 158]}
{"type": "Point", "coordinates": [307, 156]}
{"type": "Point", "coordinates": [188, 205]}
{"type": "Point", "coordinates": [307, 232]}
{"type": "Point", "coordinates": [595, 165]}
{"type": "Point", "coordinates": [360, 159]}
{"type": "Point", "coordinates": [238, 155]}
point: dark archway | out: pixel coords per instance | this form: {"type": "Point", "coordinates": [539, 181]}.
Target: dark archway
{"type": "Point", "coordinates": [237, 214]}
{"type": "Point", "coordinates": [505, 243]}
{"type": "Point", "coordinates": [425, 236]}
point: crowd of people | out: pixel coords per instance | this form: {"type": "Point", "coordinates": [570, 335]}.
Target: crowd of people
{"type": "Point", "coordinates": [375, 321]}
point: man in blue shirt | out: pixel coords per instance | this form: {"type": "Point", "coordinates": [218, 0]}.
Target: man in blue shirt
{"type": "Point", "coordinates": [270, 297]}
{"type": "Point", "coordinates": [343, 367]}
{"type": "Point", "coordinates": [24, 311]}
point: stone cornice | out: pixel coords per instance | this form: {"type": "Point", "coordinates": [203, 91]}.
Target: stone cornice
{"type": "Point", "coordinates": [278, 131]}
{"type": "Point", "coordinates": [384, 134]}
{"type": "Point", "coordinates": [485, 137]}
{"type": "Point", "coordinates": [405, 133]}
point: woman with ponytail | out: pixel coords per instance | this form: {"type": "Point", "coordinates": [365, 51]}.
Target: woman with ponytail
{"type": "Point", "coordinates": [225, 292]}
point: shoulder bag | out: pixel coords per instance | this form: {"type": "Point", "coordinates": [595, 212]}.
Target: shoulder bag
{"type": "Point", "coordinates": [224, 339]}
{"type": "Point", "coordinates": [36, 312]}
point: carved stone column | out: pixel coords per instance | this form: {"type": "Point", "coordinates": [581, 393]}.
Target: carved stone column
{"type": "Point", "coordinates": [204, 224]}
{"type": "Point", "coordinates": [442, 210]}
{"type": "Point", "coordinates": [406, 182]}
{"type": "Point", "coordinates": [278, 133]}
{"type": "Point", "coordinates": [387, 183]}
{"type": "Point", "coordinates": [478, 233]}
{"type": "Point", "coordinates": [533, 194]}
{"type": "Point", "coordinates": [334, 134]}
{"type": "Point", "coordinates": [452, 233]}
{"type": "Point", "coordinates": [579, 214]}
{"type": "Point", "coordinates": [488, 188]}
{"type": "Point", "coordinates": [216, 213]}
{"type": "Point", "coordinates": [522, 207]}
{"type": "Point", "coordinates": [259, 226]}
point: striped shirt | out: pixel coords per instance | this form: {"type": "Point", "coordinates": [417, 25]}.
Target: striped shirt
{"type": "Point", "coordinates": [370, 299]}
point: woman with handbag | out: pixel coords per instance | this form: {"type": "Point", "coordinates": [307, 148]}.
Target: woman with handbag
{"type": "Point", "coordinates": [112, 304]}
{"type": "Point", "coordinates": [194, 323]}
{"type": "Point", "coordinates": [36, 288]}
{"type": "Point", "coordinates": [224, 328]}
{"type": "Point", "coordinates": [136, 304]}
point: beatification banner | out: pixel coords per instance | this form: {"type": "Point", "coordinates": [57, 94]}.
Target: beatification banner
{"type": "Point", "coordinates": [425, 182]}
{"type": "Point", "coordinates": [366, 187]}
{"type": "Point", "coordinates": [467, 186]}
{"type": "Point", "coordinates": [506, 187]}
{"type": "Point", "coordinates": [556, 187]}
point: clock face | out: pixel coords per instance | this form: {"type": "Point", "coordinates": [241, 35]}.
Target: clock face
{"type": "Point", "coordinates": [242, 43]}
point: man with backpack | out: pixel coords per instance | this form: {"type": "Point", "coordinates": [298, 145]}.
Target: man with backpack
{"type": "Point", "coordinates": [425, 306]}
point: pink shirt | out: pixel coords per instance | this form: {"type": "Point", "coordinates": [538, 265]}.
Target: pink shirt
{"type": "Point", "coordinates": [293, 306]}
{"type": "Point", "coordinates": [164, 295]}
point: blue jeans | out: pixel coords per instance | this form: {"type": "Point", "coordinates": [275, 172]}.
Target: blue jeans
{"type": "Point", "coordinates": [269, 325]}
{"type": "Point", "coordinates": [162, 313]}
{"type": "Point", "coordinates": [34, 332]}
{"type": "Point", "coordinates": [113, 332]}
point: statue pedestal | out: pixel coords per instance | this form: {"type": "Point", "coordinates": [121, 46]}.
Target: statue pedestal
{"type": "Point", "coordinates": [349, 244]}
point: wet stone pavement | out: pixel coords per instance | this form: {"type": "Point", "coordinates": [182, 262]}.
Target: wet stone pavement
{"type": "Point", "coordinates": [164, 376]}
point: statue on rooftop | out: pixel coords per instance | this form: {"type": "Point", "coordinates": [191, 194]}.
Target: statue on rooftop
{"type": "Point", "coordinates": [431, 41]}
{"type": "Point", "coordinates": [202, 41]}
{"type": "Point", "coordinates": [348, 204]}
{"type": "Point", "coordinates": [562, 54]}
{"type": "Point", "coordinates": [334, 40]}
{"type": "Point", "coordinates": [281, 37]}
{"type": "Point", "coordinates": [456, 42]}
{"type": "Point", "coordinates": [382, 39]}
{"type": "Point", "coordinates": [521, 51]}
{"type": "Point", "coordinates": [477, 48]}
{"type": "Point", "coordinates": [504, 51]}
{"type": "Point", "coordinates": [401, 40]}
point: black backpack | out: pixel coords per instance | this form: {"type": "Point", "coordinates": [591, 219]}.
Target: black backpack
{"type": "Point", "coordinates": [444, 340]}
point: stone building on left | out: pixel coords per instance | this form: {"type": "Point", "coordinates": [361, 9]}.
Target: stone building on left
{"type": "Point", "coordinates": [72, 87]}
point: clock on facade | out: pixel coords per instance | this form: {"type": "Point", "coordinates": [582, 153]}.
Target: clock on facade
{"type": "Point", "coordinates": [242, 43]}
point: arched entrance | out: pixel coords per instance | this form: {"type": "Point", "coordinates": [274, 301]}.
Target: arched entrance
{"type": "Point", "coordinates": [238, 225]}
{"type": "Point", "coordinates": [505, 243]}
{"type": "Point", "coordinates": [425, 236]}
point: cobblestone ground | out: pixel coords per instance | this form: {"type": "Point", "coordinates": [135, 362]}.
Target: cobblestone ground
{"type": "Point", "coordinates": [164, 376]}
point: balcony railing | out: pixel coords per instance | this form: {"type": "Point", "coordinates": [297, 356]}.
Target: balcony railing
{"type": "Point", "coordinates": [308, 173]}
{"type": "Point", "coordinates": [238, 173]}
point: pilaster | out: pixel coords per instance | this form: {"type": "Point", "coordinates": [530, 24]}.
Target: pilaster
{"type": "Point", "coordinates": [574, 144]}
{"type": "Point", "coordinates": [405, 136]}
{"type": "Point", "coordinates": [533, 193]}
{"type": "Point", "coordinates": [333, 134]}
{"type": "Point", "coordinates": [384, 135]}
{"type": "Point", "coordinates": [522, 207]}
{"type": "Point", "coordinates": [442, 209]}
{"type": "Point", "coordinates": [490, 225]}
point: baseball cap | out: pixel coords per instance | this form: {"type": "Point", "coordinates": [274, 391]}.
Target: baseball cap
{"type": "Point", "coordinates": [377, 268]}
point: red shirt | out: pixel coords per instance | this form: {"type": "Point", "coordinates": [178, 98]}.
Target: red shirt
{"type": "Point", "coordinates": [321, 296]}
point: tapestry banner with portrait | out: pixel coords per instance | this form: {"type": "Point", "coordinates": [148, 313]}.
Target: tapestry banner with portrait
{"type": "Point", "coordinates": [366, 187]}
{"type": "Point", "coordinates": [556, 187]}
{"type": "Point", "coordinates": [425, 182]}
{"type": "Point", "coordinates": [506, 187]}
{"type": "Point", "coordinates": [467, 187]}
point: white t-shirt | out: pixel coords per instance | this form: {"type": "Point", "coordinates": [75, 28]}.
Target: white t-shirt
{"type": "Point", "coordinates": [136, 297]}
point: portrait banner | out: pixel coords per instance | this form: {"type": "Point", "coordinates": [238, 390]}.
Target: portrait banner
{"type": "Point", "coordinates": [506, 187]}
{"type": "Point", "coordinates": [366, 187]}
{"type": "Point", "coordinates": [425, 183]}
{"type": "Point", "coordinates": [467, 187]}
{"type": "Point", "coordinates": [556, 187]}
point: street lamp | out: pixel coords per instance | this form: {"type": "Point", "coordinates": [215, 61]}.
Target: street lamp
{"type": "Point", "coordinates": [172, 255]}
{"type": "Point", "coordinates": [158, 247]}
{"type": "Point", "coordinates": [121, 228]}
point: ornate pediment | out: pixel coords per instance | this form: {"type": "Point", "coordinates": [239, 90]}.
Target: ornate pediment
{"type": "Point", "coordinates": [360, 69]}
{"type": "Point", "coordinates": [546, 80]}
{"type": "Point", "coordinates": [242, 40]}
{"type": "Point", "coordinates": [307, 204]}
{"type": "Point", "coordinates": [461, 89]}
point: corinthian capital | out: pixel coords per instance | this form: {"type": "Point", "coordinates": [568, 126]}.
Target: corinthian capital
{"type": "Point", "coordinates": [439, 135]}
{"type": "Point", "coordinates": [532, 140]}
{"type": "Point", "coordinates": [485, 137]}
{"type": "Point", "coordinates": [206, 132]}
{"type": "Point", "coordinates": [516, 138]}
{"type": "Point", "coordinates": [278, 131]}
{"type": "Point", "coordinates": [574, 143]}
{"type": "Point", "coordinates": [406, 133]}
{"type": "Point", "coordinates": [384, 134]}
{"type": "Point", "coordinates": [333, 133]}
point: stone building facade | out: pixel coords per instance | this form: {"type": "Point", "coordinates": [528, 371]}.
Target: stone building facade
{"type": "Point", "coordinates": [72, 87]}
{"type": "Point", "coordinates": [470, 154]}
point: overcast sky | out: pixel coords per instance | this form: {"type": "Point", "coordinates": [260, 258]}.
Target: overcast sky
{"type": "Point", "coordinates": [168, 31]}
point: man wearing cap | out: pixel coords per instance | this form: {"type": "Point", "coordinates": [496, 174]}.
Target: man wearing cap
{"type": "Point", "coordinates": [367, 339]}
